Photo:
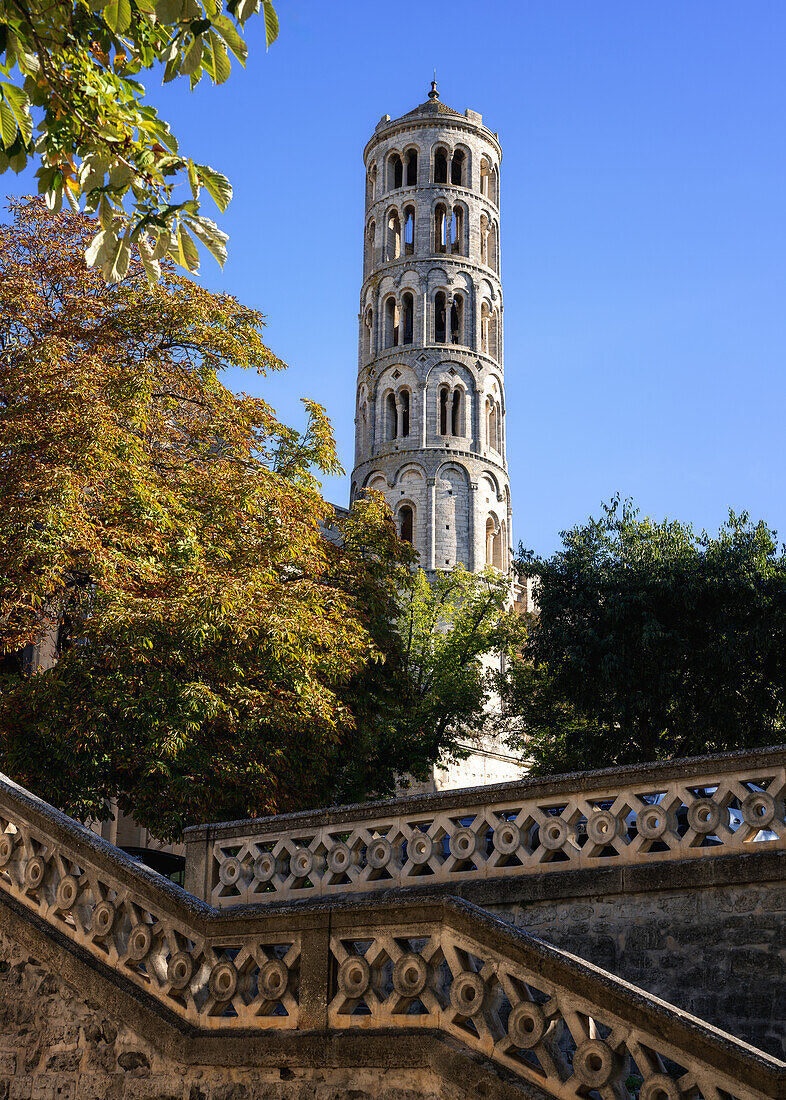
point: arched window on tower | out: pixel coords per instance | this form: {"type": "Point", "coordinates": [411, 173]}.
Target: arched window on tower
{"type": "Point", "coordinates": [391, 417]}
{"type": "Point", "coordinates": [440, 165]}
{"type": "Point", "coordinates": [371, 233]}
{"type": "Point", "coordinates": [440, 228]}
{"type": "Point", "coordinates": [457, 320]}
{"type": "Point", "coordinates": [457, 412]}
{"type": "Point", "coordinates": [371, 183]}
{"type": "Point", "coordinates": [485, 172]}
{"type": "Point", "coordinates": [485, 313]}
{"type": "Point", "coordinates": [457, 230]}
{"type": "Point", "coordinates": [492, 423]}
{"type": "Point", "coordinates": [403, 409]}
{"type": "Point", "coordinates": [406, 523]}
{"type": "Point", "coordinates": [412, 168]}
{"type": "Point", "coordinates": [493, 348]}
{"type": "Point", "coordinates": [494, 185]}
{"type": "Point", "coordinates": [407, 317]}
{"type": "Point", "coordinates": [368, 322]}
{"type": "Point", "coordinates": [484, 239]}
{"type": "Point", "coordinates": [493, 544]}
{"type": "Point", "coordinates": [393, 242]}
{"type": "Point", "coordinates": [395, 172]}
{"type": "Point", "coordinates": [409, 230]}
{"type": "Point", "coordinates": [491, 248]}
{"type": "Point", "coordinates": [391, 323]}
{"type": "Point", "coordinates": [444, 398]}
{"type": "Point", "coordinates": [440, 318]}
{"type": "Point", "coordinates": [457, 166]}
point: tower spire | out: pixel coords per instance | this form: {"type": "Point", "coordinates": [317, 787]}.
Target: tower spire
{"type": "Point", "coordinates": [434, 94]}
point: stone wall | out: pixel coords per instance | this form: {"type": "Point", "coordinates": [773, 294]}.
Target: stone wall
{"type": "Point", "coordinates": [58, 1044]}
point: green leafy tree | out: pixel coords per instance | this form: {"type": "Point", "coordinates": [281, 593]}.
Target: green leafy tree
{"type": "Point", "coordinates": [168, 537]}
{"type": "Point", "coordinates": [71, 66]}
{"type": "Point", "coordinates": [433, 693]}
{"type": "Point", "coordinates": [651, 642]}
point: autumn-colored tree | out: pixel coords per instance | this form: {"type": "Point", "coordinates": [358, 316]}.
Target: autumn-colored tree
{"type": "Point", "coordinates": [168, 535]}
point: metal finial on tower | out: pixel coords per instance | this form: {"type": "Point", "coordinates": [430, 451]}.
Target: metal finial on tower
{"type": "Point", "coordinates": [434, 94]}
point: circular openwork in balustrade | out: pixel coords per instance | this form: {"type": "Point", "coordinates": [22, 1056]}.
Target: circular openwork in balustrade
{"type": "Point", "coordinates": [705, 816]}
{"type": "Point", "coordinates": [653, 822]}
{"type": "Point", "coordinates": [67, 892]}
{"type": "Point", "coordinates": [229, 871]}
{"type": "Point", "coordinates": [339, 858]}
{"type": "Point", "coordinates": [139, 942]}
{"type": "Point", "coordinates": [379, 853]}
{"type": "Point", "coordinates": [467, 993]}
{"type": "Point", "coordinates": [463, 844]}
{"type": "Point", "coordinates": [553, 833]}
{"type": "Point", "coordinates": [223, 981]}
{"type": "Point", "coordinates": [602, 827]}
{"type": "Point", "coordinates": [7, 844]}
{"type": "Point", "coordinates": [180, 970]}
{"type": "Point", "coordinates": [410, 975]}
{"type": "Point", "coordinates": [302, 862]}
{"type": "Point", "coordinates": [527, 1025]}
{"type": "Point", "coordinates": [104, 916]}
{"type": "Point", "coordinates": [354, 976]}
{"type": "Point", "coordinates": [760, 809]}
{"type": "Point", "coordinates": [660, 1087]}
{"type": "Point", "coordinates": [34, 872]}
{"type": "Point", "coordinates": [273, 979]}
{"type": "Point", "coordinates": [507, 838]}
{"type": "Point", "coordinates": [594, 1063]}
{"type": "Point", "coordinates": [264, 867]}
{"type": "Point", "coordinates": [420, 848]}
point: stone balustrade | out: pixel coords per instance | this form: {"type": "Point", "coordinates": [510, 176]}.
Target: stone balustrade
{"type": "Point", "coordinates": [679, 810]}
{"type": "Point", "coordinates": [558, 1026]}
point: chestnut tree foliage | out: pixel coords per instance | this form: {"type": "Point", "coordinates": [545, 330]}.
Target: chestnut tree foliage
{"type": "Point", "coordinates": [216, 653]}
{"type": "Point", "coordinates": [650, 642]}
{"type": "Point", "coordinates": [70, 100]}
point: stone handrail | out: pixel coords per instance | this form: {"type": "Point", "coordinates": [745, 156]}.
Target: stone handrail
{"type": "Point", "coordinates": [649, 814]}
{"type": "Point", "coordinates": [557, 1025]}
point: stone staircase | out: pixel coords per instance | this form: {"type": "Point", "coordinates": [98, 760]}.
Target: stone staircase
{"type": "Point", "coordinates": [341, 954]}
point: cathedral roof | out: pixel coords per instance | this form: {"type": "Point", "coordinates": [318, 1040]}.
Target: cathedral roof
{"type": "Point", "coordinates": [432, 106]}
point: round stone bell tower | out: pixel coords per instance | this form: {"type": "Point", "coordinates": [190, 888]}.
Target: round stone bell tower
{"type": "Point", "coordinates": [430, 423]}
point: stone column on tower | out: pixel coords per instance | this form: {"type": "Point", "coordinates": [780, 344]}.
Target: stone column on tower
{"type": "Point", "coordinates": [430, 408]}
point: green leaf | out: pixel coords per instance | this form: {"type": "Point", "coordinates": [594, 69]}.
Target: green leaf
{"type": "Point", "coordinates": [185, 251]}
{"type": "Point", "coordinates": [271, 22]}
{"type": "Point", "coordinates": [193, 58]}
{"type": "Point", "coordinates": [20, 107]}
{"type": "Point", "coordinates": [94, 248]}
{"type": "Point", "coordinates": [218, 186]}
{"type": "Point", "coordinates": [199, 26]}
{"type": "Point", "coordinates": [217, 62]}
{"type": "Point", "coordinates": [161, 247]}
{"type": "Point", "coordinates": [115, 265]}
{"type": "Point", "coordinates": [54, 199]}
{"type": "Point", "coordinates": [8, 125]}
{"type": "Point", "coordinates": [211, 237]}
{"type": "Point", "coordinates": [117, 14]}
{"type": "Point", "coordinates": [169, 11]}
{"type": "Point", "coordinates": [228, 31]}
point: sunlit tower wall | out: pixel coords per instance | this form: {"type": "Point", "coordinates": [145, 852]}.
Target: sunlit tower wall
{"type": "Point", "coordinates": [430, 415]}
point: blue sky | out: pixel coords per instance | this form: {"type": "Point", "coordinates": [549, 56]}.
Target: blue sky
{"type": "Point", "coordinates": [643, 243]}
